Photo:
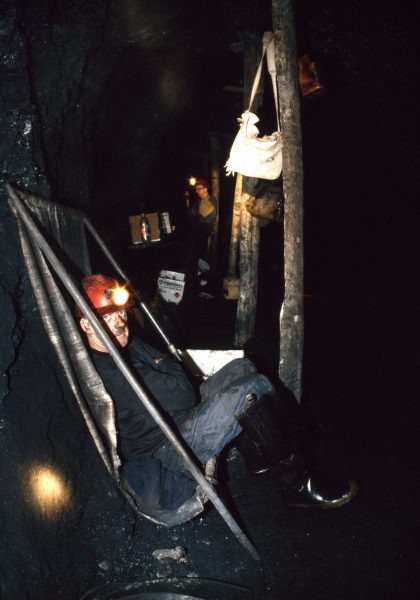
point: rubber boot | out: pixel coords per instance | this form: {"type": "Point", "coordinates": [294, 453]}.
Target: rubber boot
{"type": "Point", "coordinates": [256, 460]}
{"type": "Point", "coordinates": [261, 443]}
{"type": "Point", "coordinates": [302, 486]}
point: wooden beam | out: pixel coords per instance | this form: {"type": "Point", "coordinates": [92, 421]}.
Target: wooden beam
{"type": "Point", "coordinates": [232, 267]}
{"type": "Point", "coordinates": [249, 239]}
{"type": "Point", "coordinates": [291, 313]}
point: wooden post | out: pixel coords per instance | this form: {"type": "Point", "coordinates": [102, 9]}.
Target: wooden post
{"type": "Point", "coordinates": [291, 313]}
{"type": "Point", "coordinates": [250, 229]}
{"type": "Point", "coordinates": [231, 279]}
{"type": "Point", "coordinates": [235, 229]}
{"type": "Point", "coordinates": [248, 268]}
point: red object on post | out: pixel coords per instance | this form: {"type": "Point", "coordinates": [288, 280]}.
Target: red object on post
{"type": "Point", "coordinates": [308, 78]}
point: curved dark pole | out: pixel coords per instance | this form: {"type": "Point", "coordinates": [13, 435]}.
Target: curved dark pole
{"type": "Point", "coordinates": [119, 270]}
{"type": "Point", "coordinates": [183, 357]}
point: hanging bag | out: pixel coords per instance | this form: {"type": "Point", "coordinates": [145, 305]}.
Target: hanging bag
{"type": "Point", "coordinates": [251, 154]}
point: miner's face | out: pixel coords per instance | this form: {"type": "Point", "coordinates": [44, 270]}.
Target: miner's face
{"type": "Point", "coordinates": [201, 191]}
{"type": "Point", "coordinates": [116, 322]}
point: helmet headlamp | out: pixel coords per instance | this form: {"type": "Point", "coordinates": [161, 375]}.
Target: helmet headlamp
{"type": "Point", "coordinates": [120, 295]}
{"type": "Point", "coordinates": [104, 294]}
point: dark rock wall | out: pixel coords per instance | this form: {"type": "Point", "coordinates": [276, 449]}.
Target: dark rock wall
{"type": "Point", "coordinates": [70, 52]}
{"type": "Point", "coordinates": [48, 52]}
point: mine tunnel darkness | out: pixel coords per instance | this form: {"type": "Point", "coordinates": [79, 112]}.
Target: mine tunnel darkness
{"type": "Point", "coordinates": [107, 105]}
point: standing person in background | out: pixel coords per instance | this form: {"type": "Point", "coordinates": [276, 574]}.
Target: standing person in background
{"type": "Point", "coordinates": [201, 216]}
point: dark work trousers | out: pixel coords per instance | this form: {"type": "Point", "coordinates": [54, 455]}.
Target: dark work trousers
{"type": "Point", "coordinates": [211, 425]}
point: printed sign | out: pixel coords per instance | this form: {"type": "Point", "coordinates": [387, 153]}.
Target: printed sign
{"type": "Point", "coordinates": [171, 286]}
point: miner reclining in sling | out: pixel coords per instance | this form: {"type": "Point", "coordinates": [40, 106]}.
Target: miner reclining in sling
{"type": "Point", "coordinates": [237, 402]}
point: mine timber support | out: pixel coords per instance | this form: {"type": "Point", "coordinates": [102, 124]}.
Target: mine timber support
{"type": "Point", "coordinates": [249, 237]}
{"type": "Point", "coordinates": [291, 314]}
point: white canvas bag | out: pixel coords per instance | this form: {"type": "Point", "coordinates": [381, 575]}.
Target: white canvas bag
{"type": "Point", "coordinates": [251, 154]}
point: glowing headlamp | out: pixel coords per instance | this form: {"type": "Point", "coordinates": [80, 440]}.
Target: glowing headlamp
{"type": "Point", "coordinates": [120, 295]}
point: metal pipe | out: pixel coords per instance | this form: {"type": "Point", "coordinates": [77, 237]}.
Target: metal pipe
{"type": "Point", "coordinates": [148, 404]}
{"type": "Point", "coordinates": [171, 347]}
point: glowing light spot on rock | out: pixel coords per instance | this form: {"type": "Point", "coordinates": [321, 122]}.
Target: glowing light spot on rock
{"type": "Point", "coordinates": [49, 492]}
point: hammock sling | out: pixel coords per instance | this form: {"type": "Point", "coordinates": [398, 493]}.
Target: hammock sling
{"type": "Point", "coordinates": [54, 288]}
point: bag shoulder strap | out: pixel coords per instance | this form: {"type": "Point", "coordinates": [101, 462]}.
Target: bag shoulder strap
{"type": "Point", "coordinates": [268, 48]}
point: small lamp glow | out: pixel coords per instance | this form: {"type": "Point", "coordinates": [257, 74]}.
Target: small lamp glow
{"type": "Point", "coordinates": [192, 180]}
{"type": "Point", "coordinates": [120, 296]}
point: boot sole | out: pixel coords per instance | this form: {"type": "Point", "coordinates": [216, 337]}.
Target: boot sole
{"type": "Point", "coordinates": [353, 491]}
